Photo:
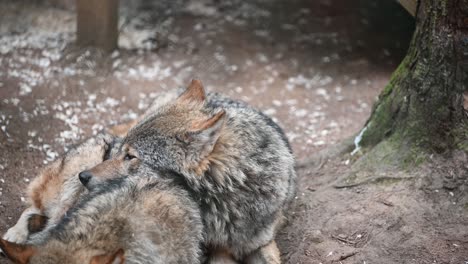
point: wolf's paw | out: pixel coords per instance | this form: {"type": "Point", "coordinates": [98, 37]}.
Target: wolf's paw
{"type": "Point", "coordinates": [16, 235]}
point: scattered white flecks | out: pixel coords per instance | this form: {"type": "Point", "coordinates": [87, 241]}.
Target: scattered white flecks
{"type": "Point", "coordinates": [308, 83]}
{"type": "Point", "coordinates": [201, 8]}
{"type": "Point", "coordinates": [116, 63]}
{"type": "Point", "coordinates": [277, 103]}
{"type": "Point", "coordinates": [451, 194]}
{"type": "Point", "coordinates": [2, 180]}
{"type": "Point", "coordinates": [69, 134]}
{"type": "Point", "coordinates": [198, 26]}
{"type": "Point", "coordinates": [330, 254]}
{"type": "Point", "coordinates": [24, 89]}
{"type": "Point", "coordinates": [32, 133]}
{"type": "Point", "coordinates": [319, 143]}
{"type": "Point", "coordinates": [353, 82]}
{"type": "Point", "coordinates": [300, 113]}
{"type": "Point", "coordinates": [130, 115]}
{"type": "Point", "coordinates": [138, 39]}
{"type": "Point", "coordinates": [111, 102]}
{"type": "Point", "coordinates": [262, 58]}
{"type": "Point", "coordinates": [115, 54]}
{"type": "Point", "coordinates": [270, 111]}
{"type": "Point", "coordinates": [262, 33]}
{"type": "Point", "coordinates": [292, 136]}
{"type": "Point", "coordinates": [346, 162]}
{"type": "Point", "coordinates": [322, 92]}
{"type": "Point", "coordinates": [26, 179]}
{"type": "Point", "coordinates": [22, 199]}
{"type": "Point", "coordinates": [43, 62]}
{"type": "Point", "coordinates": [357, 141]}
{"type": "Point", "coordinates": [15, 101]}
{"type": "Point", "coordinates": [156, 71]}
{"type": "Point", "coordinates": [96, 128]}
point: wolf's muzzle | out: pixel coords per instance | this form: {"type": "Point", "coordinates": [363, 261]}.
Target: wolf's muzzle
{"type": "Point", "coordinates": [85, 176]}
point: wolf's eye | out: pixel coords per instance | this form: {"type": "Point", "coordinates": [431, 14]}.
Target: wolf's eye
{"type": "Point", "coordinates": [129, 157]}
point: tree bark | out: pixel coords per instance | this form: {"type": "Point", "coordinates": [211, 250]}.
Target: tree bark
{"type": "Point", "coordinates": [423, 103]}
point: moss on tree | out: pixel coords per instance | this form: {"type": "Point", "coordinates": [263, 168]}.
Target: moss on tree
{"type": "Point", "coordinates": [421, 109]}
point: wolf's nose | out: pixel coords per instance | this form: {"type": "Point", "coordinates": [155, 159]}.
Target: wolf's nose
{"type": "Point", "coordinates": [85, 176]}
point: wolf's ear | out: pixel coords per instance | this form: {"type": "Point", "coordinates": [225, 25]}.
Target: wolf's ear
{"type": "Point", "coordinates": [116, 258]}
{"type": "Point", "coordinates": [195, 93]}
{"type": "Point", "coordinates": [18, 254]}
{"type": "Point", "coordinates": [204, 134]}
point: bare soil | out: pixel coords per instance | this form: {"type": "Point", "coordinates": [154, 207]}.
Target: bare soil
{"type": "Point", "coordinates": [316, 67]}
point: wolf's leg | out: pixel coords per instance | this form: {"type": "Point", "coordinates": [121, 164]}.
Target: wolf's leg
{"type": "Point", "coordinates": [268, 254]}
{"type": "Point", "coordinates": [19, 232]}
{"type": "Point", "coordinates": [220, 257]}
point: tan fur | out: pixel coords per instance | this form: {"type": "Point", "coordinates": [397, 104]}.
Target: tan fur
{"type": "Point", "coordinates": [194, 93]}
{"type": "Point", "coordinates": [19, 254]}
{"type": "Point", "coordinates": [57, 187]}
{"type": "Point", "coordinates": [107, 170]}
{"type": "Point", "coordinates": [121, 130]}
{"type": "Point", "coordinates": [44, 187]}
{"type": "Point", "coordinates": [139, 220]}
{"type": "Point", "coordinates": [268, 254]}
{"type": "Point", "coordinates": [204, 124]}
{"type": "Point", "coordinates": [116, 258]}
{"type": "Point", "coordinates": [221, 256]}
{"type": "Point", "coordinates": [217, 157]}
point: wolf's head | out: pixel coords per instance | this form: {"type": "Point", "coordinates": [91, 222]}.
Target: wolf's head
{"type": "Point", "coordinates": [58, 253]}
{"type": "Point", "coordinates": [179, 136]}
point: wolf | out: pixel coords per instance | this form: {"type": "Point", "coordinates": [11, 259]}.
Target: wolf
{"type": "Point", "coordinates": [145, 219]}
{"type": "Point", "coordinates": [235, 161]}
{"type": "Point", "coordinates": [57, 187]}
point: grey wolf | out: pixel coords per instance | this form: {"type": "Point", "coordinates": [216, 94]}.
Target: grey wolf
{"type": "Point", "coordinates": [130, 220]}
{"type": "Point", "coordinates": [234, 160]}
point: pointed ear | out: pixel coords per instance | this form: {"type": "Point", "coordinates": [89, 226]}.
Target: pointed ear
{"type": "Point", "coordinates": [204, 134]}
{"type": "Point", "coordinates": [116, 258]}
{"type": "Point", "coordinates": [18, 254]}
{"type": "Point", "coordinates": [194, 93]}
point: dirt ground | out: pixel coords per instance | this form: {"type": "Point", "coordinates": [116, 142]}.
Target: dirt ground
{"type": "Point", "coordinates": [316, 67]}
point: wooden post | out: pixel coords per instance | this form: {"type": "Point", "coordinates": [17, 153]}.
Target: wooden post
{"type": "Point", "coordinates": [409, 5]}
{"type": "Point", "coordinates": [97, 23]}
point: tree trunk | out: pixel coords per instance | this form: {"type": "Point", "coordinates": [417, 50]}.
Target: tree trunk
{"type": "Point", "coordinates": [422, 106]}
{"type": "Point", "coordinates": [97, 23]}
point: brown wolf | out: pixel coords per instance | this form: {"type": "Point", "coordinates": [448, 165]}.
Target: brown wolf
{"type": "Point", "coordinates": [234, 160]}
{"type": "Point", "coordinates": [57, 187]}
{"type": "Point", "coordinates": [131, 220]}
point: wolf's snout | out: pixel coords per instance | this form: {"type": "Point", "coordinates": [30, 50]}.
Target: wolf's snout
{"type": "Point", "coordinates": [85, 176]}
